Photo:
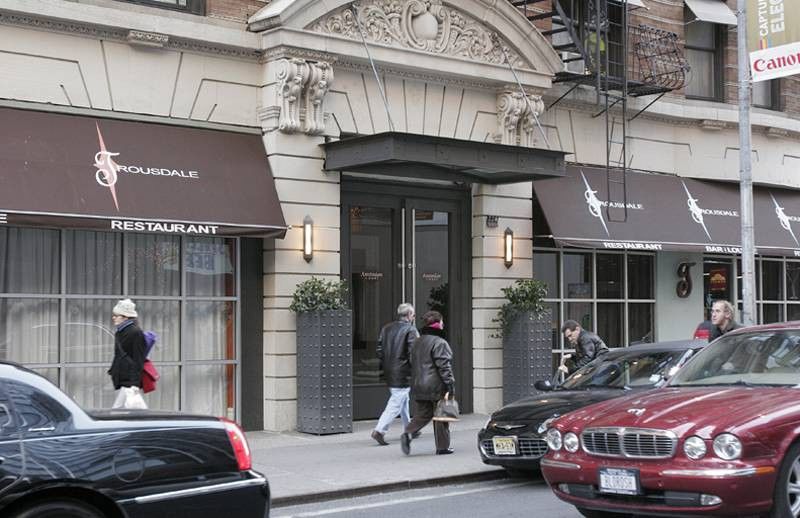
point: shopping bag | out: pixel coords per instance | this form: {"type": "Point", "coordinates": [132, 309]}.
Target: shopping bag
{"type": "Point", "coordinates": [446, 410]}
{"type": "Point", "coordinates": [150, 377]}
{"type": "Point", "coordinates": [133, 398]}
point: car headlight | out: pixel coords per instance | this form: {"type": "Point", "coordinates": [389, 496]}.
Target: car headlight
{"type": "Point", "coordinates": [727, 446]}
{"type": "Point", "coordinates": [571, 442]}
{"type": "Point", "coordinates": [553, 438]}
{"type": "Point", "coordinates": [694, 447]}
{"type": "Point", "coordinates": [488, 422]}
{"type": "Point", "coordinates": [546, 424]}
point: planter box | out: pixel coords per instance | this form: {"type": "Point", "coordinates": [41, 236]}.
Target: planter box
{"type": "Point", "coordinates": [527, 355]}
{"type": "Point", "coordinates": [325, 372]}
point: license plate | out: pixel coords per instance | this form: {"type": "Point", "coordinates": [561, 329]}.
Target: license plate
{"type": "Point", "coordinates": [619, 481]}
{"type": "Point", "coordinates": [504, 445]}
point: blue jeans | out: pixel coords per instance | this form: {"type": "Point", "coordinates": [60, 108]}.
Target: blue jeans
{"type": "Point", "coordinates": [397, 405]}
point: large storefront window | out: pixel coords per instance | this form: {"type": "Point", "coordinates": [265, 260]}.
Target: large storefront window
{"type": "Point", "coordinates": [777, 286]}
{"type": "Point", "coordinates": [609, 293]}
{"type": "Point", "coordinates": [57, 289]}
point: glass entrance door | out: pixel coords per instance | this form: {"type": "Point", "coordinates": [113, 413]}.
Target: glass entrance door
{"type": "Point", "coordinates": [397, 249]}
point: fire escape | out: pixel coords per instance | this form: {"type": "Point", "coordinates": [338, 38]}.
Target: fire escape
{"type": "Point", "coordinates": [593, 38]}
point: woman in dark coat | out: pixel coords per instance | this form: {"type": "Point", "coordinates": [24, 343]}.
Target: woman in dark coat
{"type": "Point", "coordinates": [431, 378]}
{"type": "Point", "coordinates": [129, 355]}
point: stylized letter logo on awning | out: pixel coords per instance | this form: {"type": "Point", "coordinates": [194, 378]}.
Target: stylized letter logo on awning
{"type": "Point", "coordinates": [695, 210]}
{"type": "Point", "coordinates": [107, 169]}
{"type": "Point", "coordinates": [595, 207]}
{"type": "Point", "coordinates": [783, 218]}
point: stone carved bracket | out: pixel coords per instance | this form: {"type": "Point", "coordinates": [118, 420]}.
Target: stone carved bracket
{"type": "Point", "coordinates": [424, 25]}
{"type": "Point", "coordinates": [516, 123]}
{"type": "Point", "coordinates": [302, 86]}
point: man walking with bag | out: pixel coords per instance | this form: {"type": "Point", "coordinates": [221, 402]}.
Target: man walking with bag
{"type": "Point", "coordinates": [431, 379]}
{"type": "Point", "coordinates": [129, 355]}
{"type": "Point", "coordinates": [394, 347]}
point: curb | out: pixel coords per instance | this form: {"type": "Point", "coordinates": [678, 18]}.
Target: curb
{"type": "Point", "coordinates": [286, 501]}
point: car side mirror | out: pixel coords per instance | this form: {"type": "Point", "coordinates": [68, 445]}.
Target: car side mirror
{"type": "Point", "coordinates": [543, 385]}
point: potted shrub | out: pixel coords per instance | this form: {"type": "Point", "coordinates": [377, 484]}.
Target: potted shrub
{"type": "Point", "coordinates": [526, 330]}
{"type": "Point", "coordinates": [324, 357]}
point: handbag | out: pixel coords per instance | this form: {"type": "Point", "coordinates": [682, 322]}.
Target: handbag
{"type": "Point", "coordinates": [149, 377]}
{"type": "Point", "coordinates": [446, 410]}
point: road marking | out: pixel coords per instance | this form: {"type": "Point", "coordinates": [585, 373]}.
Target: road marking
{"type": "Point", "coordinates": [400, 501]}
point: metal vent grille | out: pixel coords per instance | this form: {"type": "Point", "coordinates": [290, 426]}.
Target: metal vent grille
{"type": "Point", "coordinates": [629, 442]}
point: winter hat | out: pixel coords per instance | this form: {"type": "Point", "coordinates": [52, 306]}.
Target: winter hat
{"type": "Point", "coordinates": [126, 308]}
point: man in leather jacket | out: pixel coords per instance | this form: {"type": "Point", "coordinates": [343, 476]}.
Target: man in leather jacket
{"type": "Point", "coordinates": [431, 378]}
{"type": "Point", "coordinates": [394, 347]}
{"type": "Point", "coordinates": [587, 345]}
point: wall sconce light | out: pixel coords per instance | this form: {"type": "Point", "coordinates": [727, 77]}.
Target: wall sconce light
{"type": "Point", "coordinates": [508, 248]}
{"type": "Point", "coordinates": [308, 238]}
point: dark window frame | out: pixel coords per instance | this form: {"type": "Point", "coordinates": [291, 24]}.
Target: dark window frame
{"type": "Point", "coordinates": [197, 7]}
{"type": "Point", "coordinates": [717, 56]}
{"type": "Point", "coordinates": [774, 96]}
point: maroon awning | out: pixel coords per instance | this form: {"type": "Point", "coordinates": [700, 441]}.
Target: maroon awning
{"type": "Point", "coordinates": [86, 172]}
{"type": "Point", "coordinates": [665, 212]}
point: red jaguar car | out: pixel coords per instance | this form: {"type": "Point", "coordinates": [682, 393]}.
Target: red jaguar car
{"type": "Point", "coordinates": [722, 438]}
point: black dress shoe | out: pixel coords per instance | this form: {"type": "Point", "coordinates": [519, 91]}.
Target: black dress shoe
{"type": "Point", "coordinates": [405, 443]}
{"type": "Point", "coordinates": [448, 451]}
{"type": "Point", "coordinates": [378, 436]}
{"type": "Point", "coordinates": [416, 435]}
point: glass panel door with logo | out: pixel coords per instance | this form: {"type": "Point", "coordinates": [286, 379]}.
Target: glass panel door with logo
{"type": "Point", "coordinates": [397, 250]}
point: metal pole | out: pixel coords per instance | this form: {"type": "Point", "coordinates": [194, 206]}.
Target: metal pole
{"type": "Point", "coordinates": [748, 316]}
{"type": "Point", "coordinates": [354, 9]}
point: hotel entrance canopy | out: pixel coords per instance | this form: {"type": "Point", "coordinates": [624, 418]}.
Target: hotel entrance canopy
{"type": "Point", "coordinates": [440, 158]}
{"type": "Point", "coordinates": [71, 171]}
{"type": "Point", "coordinates": [666, 212]}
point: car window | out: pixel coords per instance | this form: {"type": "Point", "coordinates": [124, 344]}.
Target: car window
{"type": "Point", "coordinates": [761, 358]}
{"type": "Point", "coordinates": [642, 370]}
{"type": "Point", "coordinates": [37, 412]}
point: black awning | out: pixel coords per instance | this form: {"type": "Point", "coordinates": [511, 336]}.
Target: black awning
{"type": "Point", "coordinates": [666, 212]}
{"type": "Point", "coordinates": [86, 172]}
{"type": "Point", "coordinates": [405, 154]}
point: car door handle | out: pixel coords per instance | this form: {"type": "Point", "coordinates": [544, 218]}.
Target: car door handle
{"type": "Point", "coordinates": [42, 429]}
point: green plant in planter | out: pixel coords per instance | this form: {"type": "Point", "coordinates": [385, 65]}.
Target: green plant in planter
{"type": "Point", "coordinates": [313, 294]}
{"type": "Point", "coordinates": [523, 296]}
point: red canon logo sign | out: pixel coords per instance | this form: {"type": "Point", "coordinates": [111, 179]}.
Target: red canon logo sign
{"type": "Point", "coordinates": [776, 63]}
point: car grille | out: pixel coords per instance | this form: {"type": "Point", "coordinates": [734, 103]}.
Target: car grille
{"type": "Point", "coordinates": [641, 443]}
{"type": "Point", "coordinates": [529, 447]}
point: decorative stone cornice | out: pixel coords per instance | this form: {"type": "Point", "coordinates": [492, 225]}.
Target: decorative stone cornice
{"type": "Point", "coordinates": [147, 39]}
{"type": "Point", "coordinates": [713, 125]}
{"type": "Point", "coordinates": [301, 90]}
{"type": "Point", "coordinates": [423, 25]}
{"type": "Point", "coordinates": [127, 35]}
{"type": "Point", "coordinates": [773, 132]}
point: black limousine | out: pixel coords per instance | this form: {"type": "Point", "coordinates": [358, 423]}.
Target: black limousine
{"type": "Point", "coordinates": [57, 460]}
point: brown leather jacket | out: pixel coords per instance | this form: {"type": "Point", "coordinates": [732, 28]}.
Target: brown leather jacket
{"type": "Point", "coordinates": [431, 366]}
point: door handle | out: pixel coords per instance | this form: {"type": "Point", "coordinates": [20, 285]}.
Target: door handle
{"type": "Point", "coordinates": [42, 429]}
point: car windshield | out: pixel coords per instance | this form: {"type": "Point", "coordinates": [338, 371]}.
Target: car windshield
{"type": "Point", "coordinates": [760, 358]}
{"type": "Point", "coordinates": [646, 369]}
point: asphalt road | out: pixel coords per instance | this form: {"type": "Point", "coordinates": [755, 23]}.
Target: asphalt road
{"type": "Point", "coordinates": [505, 498]}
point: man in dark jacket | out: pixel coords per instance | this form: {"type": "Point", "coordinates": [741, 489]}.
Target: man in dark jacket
{"type": "Point", "coordinates": [431, 378]}
{"type": "Point", "coordinates": [394, 346]}
{"type": "Point", "coordinates": [587, 345]}
{"type": "Point", "coordinates": [722, 320]}
{"type": "Point", "coordinates": [129, 355]}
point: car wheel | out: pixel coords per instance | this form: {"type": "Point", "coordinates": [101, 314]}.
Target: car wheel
{"type": "Point", "coordinates": [59, 509]}
{"type": "Point", "coordinates": [786, 500]}
{"type": "Point", "coordinates": [591, 513]}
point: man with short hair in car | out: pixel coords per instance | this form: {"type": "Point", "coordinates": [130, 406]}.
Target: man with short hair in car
{"type": "Point", "coordinates": [722, 319]}
{"type": "Point", "coordinates": [587, 346]}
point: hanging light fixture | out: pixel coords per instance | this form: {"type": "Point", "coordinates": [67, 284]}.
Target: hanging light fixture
{"type": "Point", "coordinates": [308, 238]}
{"type": "Point", "coordinates": [508, 248]}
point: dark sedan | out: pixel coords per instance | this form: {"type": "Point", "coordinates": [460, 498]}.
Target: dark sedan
{"type": "Point", "coordinates": [514, 435]}
{"type": "Point", "coordinates": [57, 460]}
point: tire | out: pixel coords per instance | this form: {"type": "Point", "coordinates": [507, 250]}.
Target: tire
{"type": "Point", "coordinates": [785, 501]}
{"type": "Point", "coordinates": [591, 513]}
{"type": "Point", "coordinates": [61, 508]}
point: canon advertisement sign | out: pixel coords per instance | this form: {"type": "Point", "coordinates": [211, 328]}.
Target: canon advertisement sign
{"type": "Point", "coordinates": [773, 38]}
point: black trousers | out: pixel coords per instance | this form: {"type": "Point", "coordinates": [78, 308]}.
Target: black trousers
{"type": "Point", "coordinates": [423, 414]}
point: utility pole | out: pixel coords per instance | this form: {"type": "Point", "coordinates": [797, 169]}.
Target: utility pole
{"type": "Point", "coordinates": [748, 316]}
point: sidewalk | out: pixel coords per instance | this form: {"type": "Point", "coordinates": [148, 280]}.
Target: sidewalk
{"type": "Point", "coordinates": [302, 467]}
